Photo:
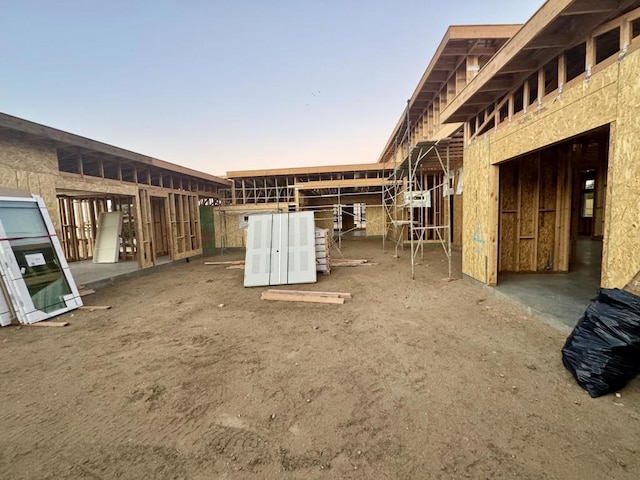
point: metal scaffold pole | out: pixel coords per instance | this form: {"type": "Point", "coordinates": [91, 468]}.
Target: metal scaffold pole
{"type": "Point", "coordinates": [410, 188]}
{"type": "Point", "coordinates": [449, 200]}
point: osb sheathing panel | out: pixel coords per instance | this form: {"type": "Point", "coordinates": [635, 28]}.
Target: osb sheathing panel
{"type": "Point", "coordinates": [33, 168]}
{"type": "Point", "coordinates": [480, 219]}
{"type": "Point", "coordinates": [375, 220]}
{"type": "Point", "coordinates": [324, 219]}
{"type": "Point", "coordinates": [20, 155]}
{"type": "Point", "coordinates": [230, 234]}
{"type": "Point", "coordinates": [622, 216]}
{"type": "Point", "coordinates": [100, 185]}
{"type": "Point", "coordinates": [457, 220]}
{"type": "Point", "coordinates": [581, 107]}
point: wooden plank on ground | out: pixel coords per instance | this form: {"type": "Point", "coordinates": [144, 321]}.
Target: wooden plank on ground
{"type": "Point", "coordinates": [235, 267]}
{"type": "Point", "coordinates": [49, 324]}
{"type": "Point", "coordinates": [342, 263]}
{"type": "Point", "coordinates": [94, 307]}
{"type": "Point", "coordinates": [86, 292]}
{"type": "Point", "coordinates": [311, 292]}
{"type": "Point", "coordinates": [233, 262]}
{"type": "Point", "coordinates": [300, 298]}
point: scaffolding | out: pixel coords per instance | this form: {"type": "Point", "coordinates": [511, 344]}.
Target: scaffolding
{"type": "Point", "coordinates": [406, 191]}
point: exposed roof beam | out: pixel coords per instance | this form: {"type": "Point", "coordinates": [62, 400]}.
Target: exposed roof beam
{"type": "Point", "coordinates": [432, 74]}
{"type": "Point", "coordinates": [498, 84]}
{"type": "Point", "coordinates": [519, 66]}
{"type": "Point", "coordinates": [559, 40]}
{"type": "Point", "coordinates": [584, 7]}
{"type": "Point", "coordinates": [525, 35]}
{"type": "Point", "coordinates": [457, 51]}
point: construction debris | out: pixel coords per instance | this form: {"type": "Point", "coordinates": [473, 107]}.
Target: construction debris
{"type": "Point", "coordinates": [91, 308]}
{"type": "Point", "coordinates": [232, 262]}
{"type": "Point", "coordinates": [305, 296]}
{"type": "Point", "coordinates": [323, 259]}
{"type": "Point", "coordinates": [47, 323]}
{"type": "Point", "coordinates": [86, 292]}
{"type": "Point", "coordinates": [311, 292]}
{"type": "Point", "coordinates": [235, 267]}
{"type": "Point", "coordinates": [353, 263]}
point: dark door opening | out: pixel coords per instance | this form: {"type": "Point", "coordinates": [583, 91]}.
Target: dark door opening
{"type": "Point", "coordinates": [552, 206]}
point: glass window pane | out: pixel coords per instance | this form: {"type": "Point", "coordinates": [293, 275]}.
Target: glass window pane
{"type": "Point", "coordinates": [22, 219]}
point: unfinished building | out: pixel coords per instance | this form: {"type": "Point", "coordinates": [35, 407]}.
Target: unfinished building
{"type": "Point", "coordinates": [517, 146]}
{"type": "Point", "coordinates": [382, 199]}
{"type": "Point", "coordinates": [79, 178]}
{"type": "Point", "coordinates": [551, 140]}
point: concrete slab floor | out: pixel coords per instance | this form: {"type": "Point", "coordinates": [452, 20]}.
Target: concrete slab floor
{"type": "Point", "coordinates": [559, 297]}
{"type": "Point", "coordinates": [86, 272]}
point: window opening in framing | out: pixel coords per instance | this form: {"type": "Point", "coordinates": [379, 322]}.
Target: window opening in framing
{"type": "Point", "coordinates": [607, 44]}
{"type": "Point", "coordinates": [91, 168]}
{"type": "Point", "coordinates": [576, 61]}
{"type": "Point", "coordinates": [551, 76]}
{"type": "Point", "coordinates": [635, 28]}
{"type": "Point", "coordinates": [110, 170]}
{"type": "Point", "coordinates": [128, 173]}
{"type": "Point", "coordinates": [518, 97]}
{"type": "Point", "coordinates": [533, 89]}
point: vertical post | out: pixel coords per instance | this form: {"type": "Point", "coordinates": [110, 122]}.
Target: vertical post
{"type": "Point", "coordinates": [410, 185]}
{"type": "Point", "coordinates": [449, 232]}
{"type": "Point", "coordinates": [339, 220]}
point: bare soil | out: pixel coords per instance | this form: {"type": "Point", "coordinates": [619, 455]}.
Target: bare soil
{"type": "Point", "coordinates": [411, 379]}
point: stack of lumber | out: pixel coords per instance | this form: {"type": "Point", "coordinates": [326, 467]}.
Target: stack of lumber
{"type": "Point", "coordinates": [305, 296]}
{"type": "Point", "coordinates": [323, 259]}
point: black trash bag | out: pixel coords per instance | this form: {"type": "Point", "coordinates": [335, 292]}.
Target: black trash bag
{"type": "Point", "coordinates": [603, 351]}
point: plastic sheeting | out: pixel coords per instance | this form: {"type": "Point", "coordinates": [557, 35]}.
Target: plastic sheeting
{"type": "Point", "coordinates": [603, 351]}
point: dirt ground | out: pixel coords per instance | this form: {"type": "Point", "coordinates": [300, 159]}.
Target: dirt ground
{"type": "Point", "coordinates": [423, 379]}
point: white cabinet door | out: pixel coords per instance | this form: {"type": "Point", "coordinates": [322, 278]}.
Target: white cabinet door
{"type": "Point", "coordinates": [279, 250]}
{"type": "Point", "coordinates": [257, 267]}
{"type": "Point", "coordinates": [302, 248]}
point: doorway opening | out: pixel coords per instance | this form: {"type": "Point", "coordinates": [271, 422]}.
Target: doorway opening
{"type": "Point", "coordinates": [551, 220]}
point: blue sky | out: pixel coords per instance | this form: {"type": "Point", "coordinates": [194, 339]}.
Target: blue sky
{"type": "Point", "coordinates": [228, 85]}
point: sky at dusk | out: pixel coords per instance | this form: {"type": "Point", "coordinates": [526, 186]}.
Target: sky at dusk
{"type": "Point", "coordinates": [226, 85]}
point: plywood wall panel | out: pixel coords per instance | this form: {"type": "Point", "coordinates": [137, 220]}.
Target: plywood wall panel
{"type": "Point", "coordinates": [227, 229]}
{"type": "Point", "coordinates": [508, 242]}
{"type": "Point", "coordinates": [582, 106]}
{"type": "Point", "coordinates": [480, 220]}
{"type": "Point", "coordinates": [375, 220]}
{"type": "Point", "coordinates": [18, 155]}
{"type": "Point", "coordinates": [457, 220]}
{"type": "Point", "coordinates": [548, 183]}
{"type": "Point", "coordinates": [528, 177]}
{"type": "Point", "coordinates": [509, 186]}
{"type": "Point", "coordinates": [622, 216]}
{"type": "Point", "coordinates": [526, 255]}
{"type": "Point", "coordinates": [546, 241]}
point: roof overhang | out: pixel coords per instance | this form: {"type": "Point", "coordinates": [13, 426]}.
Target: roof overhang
{"type": "Point", "coordinates": [275, 172]}
{"type": "Point", "coordinates": [556, 26]}
{"type": "Point", "coordinates": [458, 42]}
{"type": "Point", "coordinates": [65, 139]}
